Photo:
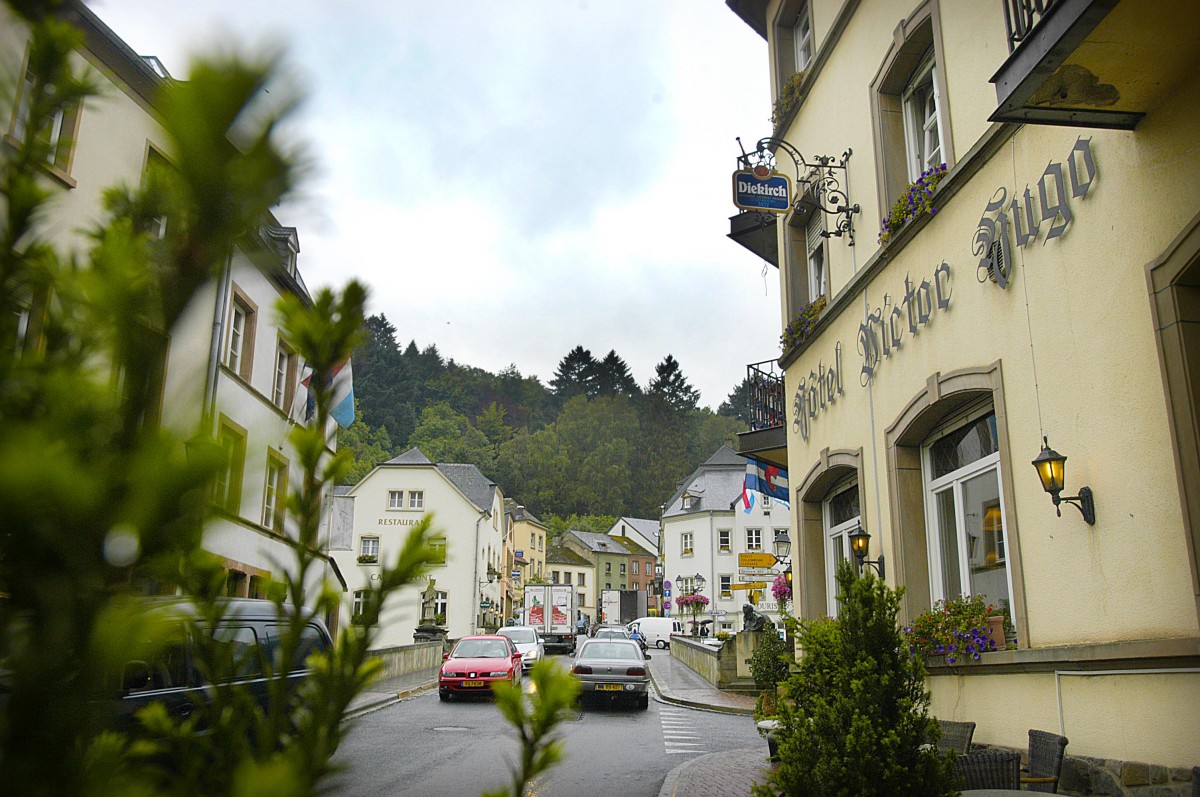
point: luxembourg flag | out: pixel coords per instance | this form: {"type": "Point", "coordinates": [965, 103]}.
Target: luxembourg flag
{"type": "Point", "coordinates": [343, 394]}
{"type": "Point", "coordinates": [770, 480]}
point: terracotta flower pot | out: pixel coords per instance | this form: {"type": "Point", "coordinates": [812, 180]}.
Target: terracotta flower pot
{"type": "Point", "coordinates": [996, 631]}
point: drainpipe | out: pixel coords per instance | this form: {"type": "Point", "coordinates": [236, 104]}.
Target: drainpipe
{"type": "Point", "coordinates": [475, 610]}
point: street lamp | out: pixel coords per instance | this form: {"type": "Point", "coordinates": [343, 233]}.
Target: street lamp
{"type": "Point", "coordinates": [860, 543]}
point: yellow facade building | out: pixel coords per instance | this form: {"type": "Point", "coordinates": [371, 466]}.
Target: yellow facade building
{"type": "Point", "coordinates": [1041, 288]}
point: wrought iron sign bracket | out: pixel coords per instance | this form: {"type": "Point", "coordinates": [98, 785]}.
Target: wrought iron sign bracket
{"type": "Point", "coordinates": [823, 182]}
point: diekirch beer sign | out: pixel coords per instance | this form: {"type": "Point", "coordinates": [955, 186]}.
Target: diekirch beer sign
{"type": "Point", "coordinates": [762, 189]}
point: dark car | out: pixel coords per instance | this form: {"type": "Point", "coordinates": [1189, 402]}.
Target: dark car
{"type": "Point", "coordinates": [253, 630]}
{"type": "Point", "coordinates": [476, 663]}
{"type": "Point", "coordinates": [613, 669]}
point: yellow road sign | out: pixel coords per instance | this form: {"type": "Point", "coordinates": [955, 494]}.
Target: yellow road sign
{"type": "Point", "coordinates": [750, 585]}
{"type": "Point", "coordinates": [756, 560]}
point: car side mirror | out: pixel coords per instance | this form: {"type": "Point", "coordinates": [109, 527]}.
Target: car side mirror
{"type": "Point", "coordinates": [645, 654]}
{"type": "Point", "coordinates": [445, 657]}
{"type": "Point", "coordinates": [135, 676]}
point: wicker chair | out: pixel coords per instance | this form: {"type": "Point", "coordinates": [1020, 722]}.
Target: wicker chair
{"type": "Point", "coordinates": [992, 768]}
{"type": "Point", "coordinates": [956, 736]}
{"type": "Point", "coordinates": [1046, 752]}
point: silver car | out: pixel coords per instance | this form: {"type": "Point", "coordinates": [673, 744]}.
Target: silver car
{"type": "Point", "coordinates": [526, 638]}
{"type": "Point", "coordinates": [613, 669]}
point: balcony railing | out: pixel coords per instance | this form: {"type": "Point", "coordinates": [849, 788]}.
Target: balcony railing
{"type": "Point", "coordinates": [1021, 16]}
{"type": "Point", "coordinates": [765, 395]}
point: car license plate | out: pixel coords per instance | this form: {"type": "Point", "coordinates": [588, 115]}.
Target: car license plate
{"type": "Point", "coordinates": [608, 687]}
{"type": "Point", "coordinates": [474, 683]}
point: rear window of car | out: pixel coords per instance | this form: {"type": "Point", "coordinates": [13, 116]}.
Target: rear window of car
{"type": "Point", "coordinates": [609, 650]}
{"type": "Point", "coordinates": [522, 635]}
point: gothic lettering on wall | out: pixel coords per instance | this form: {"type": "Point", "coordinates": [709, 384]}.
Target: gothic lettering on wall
{"type": "Point", "coordinates": [882, 333]}
{"type": "Point", "coordinates": [816, 392]}
{"type": "Point", "coordinates": [1050, 209]}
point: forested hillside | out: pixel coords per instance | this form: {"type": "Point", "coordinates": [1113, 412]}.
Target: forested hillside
{"type": "Point", "coordinates": [593, 442]}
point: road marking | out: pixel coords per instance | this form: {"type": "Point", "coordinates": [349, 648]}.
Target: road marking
{"type": "Point", "coordinates": [680, 734]}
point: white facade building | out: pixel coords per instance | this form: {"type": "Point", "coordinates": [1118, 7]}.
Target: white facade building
{"type": "Point", "coordinates": [706, 527]}
{"type": "Point", "coordinates": [372, 519]}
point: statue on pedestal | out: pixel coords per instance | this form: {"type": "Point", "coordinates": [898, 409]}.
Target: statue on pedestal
{"type": "Point", "coordinates": [753, 619]}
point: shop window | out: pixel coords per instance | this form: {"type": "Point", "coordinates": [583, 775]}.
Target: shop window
{"type": "Point", "coordinates": [841, 516]}
{"type": "Point", "coordinates": [964, 513]}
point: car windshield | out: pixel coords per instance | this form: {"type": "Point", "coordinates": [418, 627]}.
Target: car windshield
{"type": "Point", "coordinates": [523, 635]}
{"type": "Point", "coordinates": [480, 649]}
{"type": "Point", "coordinates": [609, 651]}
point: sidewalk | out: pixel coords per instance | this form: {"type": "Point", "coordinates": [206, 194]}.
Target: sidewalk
{"type": "Point", "coordinates": [389, 690]}
{"type": "Point", "coordinates": [728, 774]}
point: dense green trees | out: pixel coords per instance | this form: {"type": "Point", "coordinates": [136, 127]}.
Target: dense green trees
{"type": "Point", "coordinates": [594, 442]}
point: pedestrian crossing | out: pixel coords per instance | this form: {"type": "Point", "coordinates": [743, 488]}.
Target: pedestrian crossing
{"type": "Point", "coordinates": [681, 735]}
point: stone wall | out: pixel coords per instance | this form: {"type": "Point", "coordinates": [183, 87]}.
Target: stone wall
{"type": "Point", "coordinates": [717, 665]}
{"type": "Point", "coordinates": [405, 659]}
{"type": "Point", "coordinates": [1096, 776]}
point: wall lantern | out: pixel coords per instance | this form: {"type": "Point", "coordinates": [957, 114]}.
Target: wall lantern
{"type": "Point", "coordinates": [860, 545]}
{"type": "Point", "coordinates": [699, 582]}
{"type": "Point", "coordinates": [1051, 469]}
{"type": "Point", "coordinates": [783, 544]}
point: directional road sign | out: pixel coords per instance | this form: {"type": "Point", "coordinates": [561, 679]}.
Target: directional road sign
{"type": "Point", "coordinates": [756, 560]}
{"type": "Point", "coordinates": [755, 571]}
{"type": "Point", "coordinates": [750, 585]}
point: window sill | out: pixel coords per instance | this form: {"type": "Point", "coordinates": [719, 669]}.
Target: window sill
{"type": "Point", "coordinates": [49, 168]}
{"type": "Point", "coordinates": [686, 552]}
{"type": "Point", "coordinates": [1135, 654]}
{"type": "Point", "coordinates": [725, 550]}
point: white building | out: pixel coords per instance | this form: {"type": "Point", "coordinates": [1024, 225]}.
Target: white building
{"type": "Point", "coordinates": [706, 527]}
{"type": "Point", "coordinates": [226, 362]}
{"type": "Point", "coordinates": [641, 530]}
{"type": "Point", "coordinates": [372, 519]}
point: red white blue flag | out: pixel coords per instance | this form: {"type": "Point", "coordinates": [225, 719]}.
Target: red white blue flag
{"type": "Point", "coordinates": [770, 480]}
{"type": "Point", "coordinates": [342, 381]}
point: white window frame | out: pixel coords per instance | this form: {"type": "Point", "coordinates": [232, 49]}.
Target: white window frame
{"type": "Point", "coordinates": [237, 337]}
{"type": "Point", "coordinates": [369, 546]}
{"type": "Point", "coordinates": [395, 499]}
{"type": "Point", "coordinates": [360, 602]}
{"type": "Point", "coordinates": [686, 543]}
{"type": "Point", "coordinates": [439, 603]}
{"type": "Point", "coordinates": [817, 256]}
{"type": "Point", "coordinates": [802, 39]}
{"type": "Point", "coordinates": [922, 104]}
{"type": "Point", "coordinates": [273, 485]}
{"type": "Point", "coordinates": [835, 536]}
{"type": "Point", "coordinates": [283, 370]}
{"type": "Point", "coordinates": [724, 540]}
{"type": "Point", "coordinates": [954, 481]}
{"type": "Point", "coordinates": [634, 568]}
{"type": "Point", "coordinates": [753, 539]}
{"type": "Point", "coordinates": [416, 499]}
{"type": "Point", "coordinates": [725, 586]}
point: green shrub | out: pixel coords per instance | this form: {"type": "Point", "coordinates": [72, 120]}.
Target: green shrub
{"type": "Point", "coordinates": [770, 661]}
{"type": "Point", "coordinates": [956, 628]}
{"type": "Point", "coordinates": [854, 716]}
{"type": "Point", "coordinates": [789, 97]}
{"type": "Point", "coordinates": [916, 201]}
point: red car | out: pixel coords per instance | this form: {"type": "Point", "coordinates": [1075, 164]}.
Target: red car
{"type": "Point", "coordinates": [477, 662]}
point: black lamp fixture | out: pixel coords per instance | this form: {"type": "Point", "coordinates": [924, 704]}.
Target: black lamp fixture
{"type": "Point", "coordinates": [860, 545]}
{"type": "Point", "coordinates": [698, 582]}
{"type": "Point", "coordinates": [1051, 469]}
{"type": "Point", "coordinates": [783, 544]}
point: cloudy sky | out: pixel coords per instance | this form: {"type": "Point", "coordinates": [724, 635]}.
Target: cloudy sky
{"type": "Point", "coordinates": [512, 179]}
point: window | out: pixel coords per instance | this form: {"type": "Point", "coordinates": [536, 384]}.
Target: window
{"type": "Point", "coordinates": [690, 502]}
{"type": "Point", "coordinates": [275, 493]}
{"type": "Point", "coordinates": [553, 576]}
{"type": "Point", "coordinates": [965, 516]}
{"type": "Point", "coordinates": [368, 550]}
{"type": "Point", "coordinates": [395, 499]}
{"type": "Point", "coordinates": [227, 488]}
{"type": "Point", "coordinates": [726, 586]}
{"type": "Point", "coordinates": [416, 499]}
{"type": "Point", "coordinates": [622, 568]}
{"type": "Point", "coordinates": [818, 276]}
{"type": "Point", "coordinates": [723, 536]}
{"type": "Point", "coordinates": [439, 605]}
{"type": "Point", "coordinates": [921, 127]}
{"type": "Point", "coordinates": [608, 585]}
{"type": "Point", "coordinates": [908, 107]}
{"type": "Point", "coordinates": [753, 539]}
{"type": "Point", "coordinates": [802, 39]}
{"type": "Point", "coordinates": [623, 585]}
{"type": "Point", "coordinates": [61, 123]}
{"type": "Point", "coordinates": [608, 567]}
{"type": "Point", "coordinates": [438, 544]}
{"type": "Point", "coordinates": [363, 611]}
{"type": "Point", "coordinates": [582, 598]}
{"type": "Point", "coordinates": [842, 516]}
{"type": "Point", "coordinates": [685, 543]}
{"type": "Point", "coordinates": [541, 542]}
{"type": "Point", "coordinates": [582, 580]}
{"type": "Point", "coordinates": [240, 353]}
{"type": "Point", "coordinates": [567, 577]}
{"type": "Point", "coordinates": [284, 385]}
{"type": "Point", "coordinates": [634, 565]}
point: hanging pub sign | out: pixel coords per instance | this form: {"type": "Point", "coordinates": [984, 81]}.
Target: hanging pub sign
{"type": "Point", "coordinates": [762, 189]}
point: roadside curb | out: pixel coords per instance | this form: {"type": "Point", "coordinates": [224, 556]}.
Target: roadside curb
{"type": "Point", "coordinates": [665, 696]}
{"type": "Point", "coordinates": [386, 699]}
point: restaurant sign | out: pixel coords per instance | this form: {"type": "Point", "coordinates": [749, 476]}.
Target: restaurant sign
{"type": "Point", "coordinates": [762, 189]}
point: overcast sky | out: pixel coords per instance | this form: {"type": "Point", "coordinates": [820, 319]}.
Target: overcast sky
{"type": "Point", "coordinates": [512, 179]}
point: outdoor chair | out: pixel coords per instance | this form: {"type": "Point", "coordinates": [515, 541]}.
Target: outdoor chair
{"type": "Point", "coordinates": [1045, 761]}
{"type": "Point", "coordinates": [956, 736]}
{"type": "Point", "coordinates": [1195, 781]}
{"type": "Point", "coordinates": [993, 768]}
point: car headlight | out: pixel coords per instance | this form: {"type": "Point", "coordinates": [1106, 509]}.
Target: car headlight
{"type": "Point", "coordinates": [499, 674]}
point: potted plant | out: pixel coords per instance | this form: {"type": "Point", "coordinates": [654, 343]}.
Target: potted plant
{"type": "Point", "coordinates": [915, 202]}
{"type": "Point", "coordinates": [694, 604]}
{"type": "Point", "coordinates": [368, 559]}
{"type": "Point", "coordinates": [958, 628]}
{"type": "Point", "coordinates": [801, 326]}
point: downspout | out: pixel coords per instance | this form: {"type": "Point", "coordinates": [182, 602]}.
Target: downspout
{"type": "Point", "coordinates": [475, 580]}
{"type": "Point", "coordinates": [220, 308]}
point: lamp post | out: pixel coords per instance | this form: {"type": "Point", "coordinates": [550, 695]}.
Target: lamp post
{"type": "Point", "coordinates": [698, 582]}
{"type": "Point", "coordinates": [783, 550]}
{"type": "Point", "coordinates": [485, 602]}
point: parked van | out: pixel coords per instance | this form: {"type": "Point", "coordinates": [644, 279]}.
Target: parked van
{"type": "Point", "coordinates": [173, 677]}
{"type": "Point", "coordinates": [657, 630]}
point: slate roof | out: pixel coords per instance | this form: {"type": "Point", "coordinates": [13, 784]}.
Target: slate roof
{"type": "Point", "coordinates": [412, 456]}
{"type": "Point", "coordinates": [519, 512]}
{"type": "Point", "coordinates": [474, 485]}
{"type": "Point", "coordinates": [557, 554]}
{"type": "Point", "coordinates": [597, 542]}
{"type": "Point", "coordinates": [646, 527]}
{"type": "Point", "coordinates": [632, 546]}
{"type": "Point", "coordinates": [717, 482]}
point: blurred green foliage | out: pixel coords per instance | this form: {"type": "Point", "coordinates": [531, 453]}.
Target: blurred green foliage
{"type": "Point", "coordinates": [534, 717]}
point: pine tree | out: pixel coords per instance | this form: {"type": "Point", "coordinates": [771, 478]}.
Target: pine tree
{"type": "Point", "coordinates": [576, 375]}
{"type": "Point", "coordinates": [670, 383]}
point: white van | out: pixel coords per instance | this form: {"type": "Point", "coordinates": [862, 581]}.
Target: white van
{"type": "Point", "coordinates": [657, 630]}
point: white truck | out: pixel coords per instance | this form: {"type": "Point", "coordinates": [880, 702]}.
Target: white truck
{"type": "Point", "coordinates": [550, 608]}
